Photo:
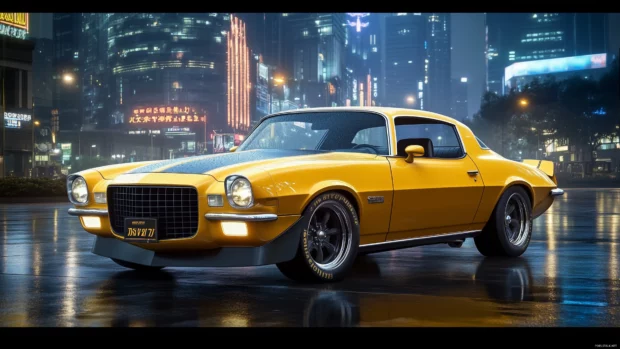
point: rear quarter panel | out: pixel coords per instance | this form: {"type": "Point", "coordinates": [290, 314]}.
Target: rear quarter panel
{"type": "Point", "coordinates": [499, 173]}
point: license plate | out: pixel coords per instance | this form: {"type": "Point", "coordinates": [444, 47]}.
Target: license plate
{"type": "Point", "coordinates": [141, 229]}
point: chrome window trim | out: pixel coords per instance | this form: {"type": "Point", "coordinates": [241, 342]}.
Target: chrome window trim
{"type": "Point", "coordinates": [330, 110]}
{"type": "Point", "coordinates": [70, 180]}
{"type": "Point", "coordinates": [456, 130]}
{"type": "Point", "coordinates": [267, 217]}
{"type": "Point", "coordinates": [87, 212]}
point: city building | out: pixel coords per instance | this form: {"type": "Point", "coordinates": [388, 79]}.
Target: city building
{"type": "Point", "coordinates": [437, 72]}
{"type": "Point", "coordinates": [18, 126]}
{"type": "Point", "coordinates": [517, 37]}
{"type": "Point", "coordinates": [67, 79]}
{"type": "Point", "coordinates": [405, 60]}
{"type": "Point", "coordinates": [314, 62]}
{"type": "Point", "coordinates": [459, 98]}
{"type": "Point", "coordinates": [363, 59]}
{"type": "Point", "coordinates": [94, 70]}
{"type": "Point", "coordinates": [169, 77]}
{"type": "Point", "coordinates": [238, 77]}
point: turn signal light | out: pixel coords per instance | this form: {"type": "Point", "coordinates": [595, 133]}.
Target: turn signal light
{"type": "Point", "coordinates": [215, 200]}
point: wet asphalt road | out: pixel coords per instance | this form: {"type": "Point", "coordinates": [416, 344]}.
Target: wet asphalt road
{"type": "Point", "coordinates": [569, 276]}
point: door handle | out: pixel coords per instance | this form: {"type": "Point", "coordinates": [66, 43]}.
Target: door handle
{"type": "Point", "coordinates": [472, 172]}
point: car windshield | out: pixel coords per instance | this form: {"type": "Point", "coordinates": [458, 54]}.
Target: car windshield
{"type": "Point", "coordinates": [322, 131]}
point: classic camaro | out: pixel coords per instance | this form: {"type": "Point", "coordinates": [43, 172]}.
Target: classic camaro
{"type": "Point", "coordinates": [311, 189]}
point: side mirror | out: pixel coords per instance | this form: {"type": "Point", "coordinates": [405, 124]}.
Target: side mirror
{"type": "Point", "coordinates": [234, 148]}
{"type": "Point", "coordinates": [413, 151]}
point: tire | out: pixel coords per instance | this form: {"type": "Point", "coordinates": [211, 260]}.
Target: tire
{"type": "Point", "coordinates": [331, 226]}
{"type": "Point", "coordinates": [137, 267]}
{"type": "Point", "coordinates": [500, 238]}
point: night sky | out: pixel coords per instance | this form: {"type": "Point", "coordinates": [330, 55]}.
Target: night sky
{"type": "Point", "coordinates": [468, 44]}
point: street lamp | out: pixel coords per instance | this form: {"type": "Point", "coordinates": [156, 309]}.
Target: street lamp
{"type": "Point", "coordinates": [410, 99]}
{"type": "Point", "coordinates": [67, 78]}
{"type": "Point", "coordinates": [524, 102]}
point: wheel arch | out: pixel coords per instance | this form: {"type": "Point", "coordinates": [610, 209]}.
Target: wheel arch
{"type": "Point", "coordinates": [520, 183]}
{"type": "Point", "coordinates": [342, 188]}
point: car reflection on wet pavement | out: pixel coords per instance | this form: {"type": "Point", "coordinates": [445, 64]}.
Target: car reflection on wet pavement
{"type": "Point", "coordinates": [569, 276]}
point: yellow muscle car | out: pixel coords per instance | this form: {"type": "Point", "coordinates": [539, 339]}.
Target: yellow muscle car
{"type": "Point", "coordinates": [310, 189]}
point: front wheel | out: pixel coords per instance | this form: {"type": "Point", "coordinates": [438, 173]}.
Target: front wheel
{"type": "Point", "coordinates": [329, 241]}
{"type": "Point", "coordinates": [509, 230]}
{"type": "Point", "coordinates": [135, 266]}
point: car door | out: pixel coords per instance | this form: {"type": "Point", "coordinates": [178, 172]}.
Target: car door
{"type": "Point", "coordinates": [437, 193]}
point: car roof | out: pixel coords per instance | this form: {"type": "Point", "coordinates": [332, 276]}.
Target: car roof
{"type": "Point", "coordinates": [390, 112]}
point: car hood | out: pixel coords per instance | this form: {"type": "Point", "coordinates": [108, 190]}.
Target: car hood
{"type": "Point", "coordinates": [208, 164]}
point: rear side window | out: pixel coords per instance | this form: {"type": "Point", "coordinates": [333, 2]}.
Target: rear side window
{"type": "Point", "coordinates": [439, 139]}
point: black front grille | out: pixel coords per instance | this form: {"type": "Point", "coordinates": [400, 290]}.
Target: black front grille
{"type": "Point", "coordinates": [176, 208]}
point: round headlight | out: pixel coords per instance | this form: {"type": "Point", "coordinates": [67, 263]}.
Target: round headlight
{"type": "Point", "coordinates": [79, 190]}
{"type": "Point", "coordinates": [241, 192]}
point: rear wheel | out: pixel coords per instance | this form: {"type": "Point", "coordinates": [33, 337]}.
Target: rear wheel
{"type": "Point", "coordinates": [509, 230]}
{"type": "Point", "coordinates": [135, 266]}
{"type": "Point", "coordinates": [329, 241]}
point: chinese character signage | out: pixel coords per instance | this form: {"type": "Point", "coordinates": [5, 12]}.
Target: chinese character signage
{"type": "Point", "coordinates": [160, 115]}
{"type": "Point", "coordinates": [14, 24]}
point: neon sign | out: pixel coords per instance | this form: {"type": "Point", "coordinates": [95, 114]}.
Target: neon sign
{"type": "Point", "coordinates": [154, 115]}
{"type": "Point", "coordinates": [358, 24]}
{"type": "Point", "coordinates": [14, 25]}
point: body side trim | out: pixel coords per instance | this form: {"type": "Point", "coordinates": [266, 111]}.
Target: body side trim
{"type": "Point", "coordinates": [418, 241]}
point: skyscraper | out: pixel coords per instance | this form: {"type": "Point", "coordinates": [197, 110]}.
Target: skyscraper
{"type": "Point", "coordinates": [67, 91]}
{"type": "Point", "coordinates": [238, 76]}
{"type": "Point", "coordinates": [405, 61]}
{"type": "Point", "coordinates": [363, 59]}
{"type": "Point", "coordinates": [516, 37]}
{"type": "Point", "coordinates": [169, 59]}
{"type": "Point", "coordinates": [95, 70]}
{"type": "Point", "coordinates": [438, 69]}
{"type": "Point", "coordinates": [459, 103]}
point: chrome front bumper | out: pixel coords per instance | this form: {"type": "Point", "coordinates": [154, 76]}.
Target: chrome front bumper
{"type": "Point", "coordinates": [87, 212]}
{"type": "Point", "coordinates": [209, 216]}
{"type": "Point", "coordinates": [557, 192]}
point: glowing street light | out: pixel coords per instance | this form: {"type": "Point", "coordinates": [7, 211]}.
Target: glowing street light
{"type": "Point", "coordinates": [67, 78]}
{"type": "Point", "coordinates": [523, 102]}
{"type": "Point", "coordinates": [37, 123]}
{"type": "Point", "coordinates": [278, 80]}
{"type": "Point", "coordinates": [410, 99]}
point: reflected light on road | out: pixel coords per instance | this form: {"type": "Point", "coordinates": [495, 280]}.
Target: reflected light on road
{"type": "Point", "coordinates": [36, 260]}
{"type": "Point", "coordinates": [613, 245]}
{"type": "Point", "coordinates": [5, 245]}
{"type": "Point", "coordinates": [550, 217]}
{"type": "Point", "coordinates": [235, 321]}
{"type": "Point", "coordinates": [70, 292]}
{"type": "Point", "coordinates": [55, 226]}
{"type": "Point", "coordinates": [600, 218]}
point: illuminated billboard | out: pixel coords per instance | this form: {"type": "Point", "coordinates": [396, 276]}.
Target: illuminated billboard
{"type": "Point", "coordinates": [15, 120]}
{"type": "Point", "coordinates": [357, 23]}
{"type": "Point", "coordinates": [14, 24]}
{"type": "Point", "coordinates": [166, 114]}
{"type": "Point", "coordinates": [555, 65]}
